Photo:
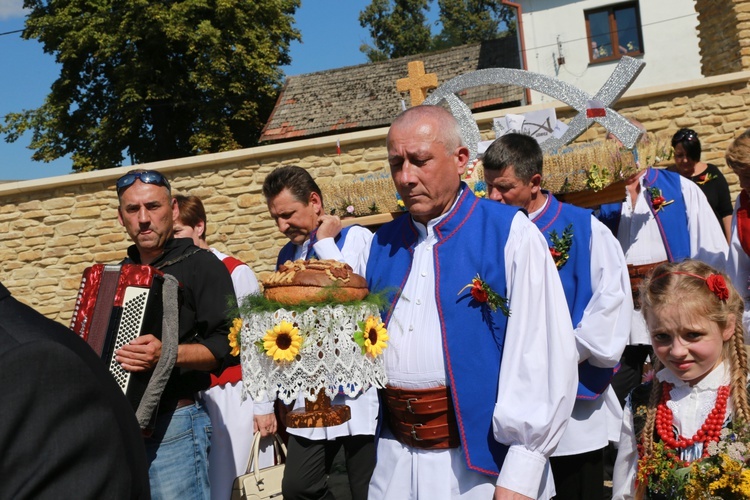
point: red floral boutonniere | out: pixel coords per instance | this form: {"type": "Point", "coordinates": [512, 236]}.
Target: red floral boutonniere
{"type": "Point", "coordinates": [657, 199]}
{"type": "Point", "coordinates": [561, 245]}
{"type": "Point", "coordinates": [481, 292]}
{"type": "Point", "coordinates": [706, 177]}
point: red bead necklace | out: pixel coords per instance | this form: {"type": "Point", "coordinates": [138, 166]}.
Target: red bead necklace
{"type": "Point", "coordinates": [709, 431]}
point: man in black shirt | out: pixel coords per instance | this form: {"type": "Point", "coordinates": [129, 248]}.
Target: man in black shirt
{"type": "Point", "coordinates": [67, 430]}
{"type": "Point", "coordinates": [178, 448]}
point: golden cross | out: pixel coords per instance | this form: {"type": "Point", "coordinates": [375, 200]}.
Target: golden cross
{"type": "Point", "coordinates": [417, 83]}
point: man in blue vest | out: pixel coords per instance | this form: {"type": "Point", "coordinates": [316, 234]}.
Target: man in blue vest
{"type": "Point", "coordinates": [595, 279]}
{"type": "Point", "coordinates": [665, 217]}
{"type": "Point", "coordinates": [481, 360]}
{"type": "Point", "coordinates": [296, 204]}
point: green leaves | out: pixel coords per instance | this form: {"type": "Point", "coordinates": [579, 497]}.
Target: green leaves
{"type": "Point", "coordinates": [154, 79]}
{"type": "Point", "coordinates": [399, 27]}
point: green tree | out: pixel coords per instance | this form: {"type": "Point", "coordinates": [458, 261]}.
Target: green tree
{"type": "Point", "coordinates": [400, 28]}
{"type": "Point", "coordinates": [154, 79]}
{"type": "Point", "coordinates": [470, 21]}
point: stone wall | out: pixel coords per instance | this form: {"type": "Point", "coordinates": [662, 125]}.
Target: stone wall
{"type": "Point", "coordinates": [52, 229]}
{"type": "Point", "coordinates": [723, 28]}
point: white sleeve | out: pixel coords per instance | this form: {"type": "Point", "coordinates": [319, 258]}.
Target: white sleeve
{"type": "Point", "coordinates": [244, 281]}
{"type": "Point", "coordinates": [538, 375]}
{"type": "Point", "coordinates": [707, 240]}
{"type": "Point", "coordinates": [626, 465]}
{"type": "Point", "coordinates": [357, 239]}
{"type": "Point", "coordinates": [604, 328]}
{"type": "Point", "coordinates": [738, 270]}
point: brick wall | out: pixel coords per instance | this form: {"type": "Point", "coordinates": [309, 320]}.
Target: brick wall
{"type": "Point", "coordinates": [52, 229]}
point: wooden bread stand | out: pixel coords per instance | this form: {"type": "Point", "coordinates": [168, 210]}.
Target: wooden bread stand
{"type": "Point", "coordinates": [318, 413]}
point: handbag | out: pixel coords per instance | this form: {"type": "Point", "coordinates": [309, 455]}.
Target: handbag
{"type": "Point", "coordinates": [265, 483]}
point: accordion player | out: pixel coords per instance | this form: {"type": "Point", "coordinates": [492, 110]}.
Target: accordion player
{"type": "Point", "coordinates": [116, 304]}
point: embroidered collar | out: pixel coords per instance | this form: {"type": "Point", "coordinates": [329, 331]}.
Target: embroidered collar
{"type": "Point", "coordinates": [716, 378]}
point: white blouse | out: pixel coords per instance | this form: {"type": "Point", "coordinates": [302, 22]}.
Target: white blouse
{"type": "Point", "coordinates": [690, 406]}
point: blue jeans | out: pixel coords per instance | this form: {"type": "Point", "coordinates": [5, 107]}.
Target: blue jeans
{"type": "Point", "coordinates": [178, 455]}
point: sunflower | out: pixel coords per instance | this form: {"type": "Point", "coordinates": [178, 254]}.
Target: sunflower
{"type": "Point", "coordinates": [234, 336]}
{"type": "Point", "coordinates": [283, 342]}
{"type": "Point", "coordinates": [372, 336]}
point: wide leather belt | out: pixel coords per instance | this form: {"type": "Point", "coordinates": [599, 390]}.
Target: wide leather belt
{"type": "Point", "coordinates": [422, 418]}
{"type": "Point", "coordinates": [637, 274]}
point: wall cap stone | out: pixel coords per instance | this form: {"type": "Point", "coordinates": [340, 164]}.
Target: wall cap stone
{"type": "Point", "coordinates": [329, 142]}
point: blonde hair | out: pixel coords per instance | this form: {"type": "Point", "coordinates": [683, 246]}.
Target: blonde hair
{"type": "Point", "coordinates": [738, 153]}
{"type": "Point", "coordinates": [685, 283]}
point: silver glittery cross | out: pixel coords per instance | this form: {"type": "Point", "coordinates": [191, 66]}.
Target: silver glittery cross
{"type": "Point", "coordinates": [622, 77]}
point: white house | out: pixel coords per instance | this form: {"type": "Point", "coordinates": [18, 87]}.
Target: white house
{"type": "Point", "coordinates": [580, 42]}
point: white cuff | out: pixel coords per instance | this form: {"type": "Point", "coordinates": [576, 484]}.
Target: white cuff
{"type": "Point", "coordinates": [522, 471]}
{"type": "Point", "coordinates": [262, 408]}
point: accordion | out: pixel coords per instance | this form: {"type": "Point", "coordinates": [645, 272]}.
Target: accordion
{"type": "Point", "coordinates": [116, 304]}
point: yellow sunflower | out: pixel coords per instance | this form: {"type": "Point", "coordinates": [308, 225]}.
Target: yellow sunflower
{"type": "Point", "coordinates": [234, 336]}
{"type": "Point", "coordinates": [283, 342]}
{"type": "Point", "coordinates": [374, 336]}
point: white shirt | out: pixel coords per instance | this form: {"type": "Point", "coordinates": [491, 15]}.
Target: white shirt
{"type": "Point", "coordinates": [364, 408]}
{"type": "Point", "coordinates": [690, 407]}
{"type": "Point", "coordinates": [243, 278]}
{"type": "Point", "coordinates": [245, 283]}
{"type": "Point", "coordinates": [601, 336]}
{"type": "Point", "coordinates": [642, 242]}
{"type": "Point", "coordinates": [738, 270]}
{"type": "Point", "coordinates": [537, 382]}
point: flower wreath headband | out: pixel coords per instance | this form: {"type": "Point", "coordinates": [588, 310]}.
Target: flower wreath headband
{"type": "Point", "coordinates": [714, 281]}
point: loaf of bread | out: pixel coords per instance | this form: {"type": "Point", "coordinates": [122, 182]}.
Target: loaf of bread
{"type": "Point", "coordinates": [314, 281]}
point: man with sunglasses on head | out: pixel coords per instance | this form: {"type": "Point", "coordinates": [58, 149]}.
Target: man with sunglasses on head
{"type": "Point", "coordinates": [178, 448]}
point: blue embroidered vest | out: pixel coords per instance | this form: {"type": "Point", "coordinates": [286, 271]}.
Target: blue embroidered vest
{"type": "Point", "coordinates": [288, 251]}
{"type": "Point", "coordinates": [575, 275]}
{"type": "Point", "coordinates": [471, 240]}
{"type": "Point", "coordinates": [672, 219]}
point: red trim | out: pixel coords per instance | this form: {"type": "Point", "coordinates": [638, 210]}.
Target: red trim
{"type": "Point", "coordinates": [656, 215]}
{"type": "Point", "coordinates": [232, 263]}
{"type": "Point", "coordinates": [743, 221]}
{"type": "Point", "coordinates": [449, 366]}
{"type": "Point", "coordinates": [546, 207]}
{"type": "Point", "coordinates": [231, 375]}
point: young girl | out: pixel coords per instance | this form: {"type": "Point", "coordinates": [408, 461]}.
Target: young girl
{"type": "Point", "coordinates": [694, 316]}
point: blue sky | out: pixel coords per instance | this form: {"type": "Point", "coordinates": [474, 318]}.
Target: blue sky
{"type": "Point", "coordinates": [331, 36]}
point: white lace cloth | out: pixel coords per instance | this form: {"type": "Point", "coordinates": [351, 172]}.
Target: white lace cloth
{"type": "Point", "coordinates": [329, 358]}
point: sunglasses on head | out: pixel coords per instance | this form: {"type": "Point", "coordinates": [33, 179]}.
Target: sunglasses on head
{"type": "Point", "coordinates": [147, 177]}
{"type": "Point", "coordinates": [684, 135]}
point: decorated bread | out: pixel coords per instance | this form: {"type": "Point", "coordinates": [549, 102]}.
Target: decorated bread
{"type": "Point", "coordinates": [314, 281]}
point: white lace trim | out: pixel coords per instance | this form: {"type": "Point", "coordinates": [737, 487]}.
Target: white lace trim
{"type": "Point", "coordinates": [329, 358]}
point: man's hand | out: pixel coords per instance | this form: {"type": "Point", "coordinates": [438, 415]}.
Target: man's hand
{"type": "Point", "coordinates": [140, 355]}
{"type": "Point", "coordinates": [266, 424]}
{"type": "Point", "coordinates": [329, 226]}
{"type": "Point", "coordinates": [506, 494]}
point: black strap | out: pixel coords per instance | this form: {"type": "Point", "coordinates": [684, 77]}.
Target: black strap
{"type": "Point", "coordinates": [178, 259]}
